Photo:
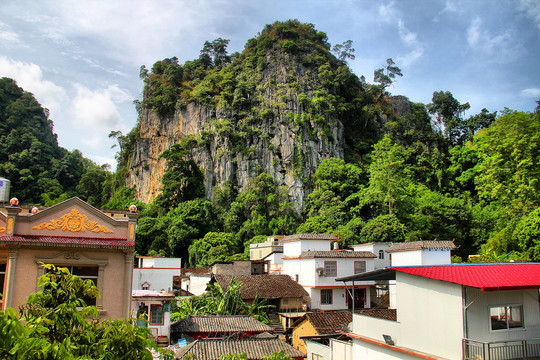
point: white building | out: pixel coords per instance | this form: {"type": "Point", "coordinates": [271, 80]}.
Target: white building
{"type": "Point", "coordinates": [473, 311]}
{"type": "Point", "coordinates": [379, 249]}
{"type": "Point", "coordinates": [309, 260]}
{"type": "Point", "coordinates": [155, 273]}
{"type": "Point", "coordinates": [431, 252]}
{"type": "Point", "coordinates": [153, 310]}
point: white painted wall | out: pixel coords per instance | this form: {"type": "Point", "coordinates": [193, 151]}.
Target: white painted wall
{"type": "Point", "coordinates": [341, 350]}
{"type": "Point", "coordinates": [313, 347]}
{"type": "Point", "coordinates": [429, 317]}
{"type": "Point", "coordinates": [375, 248]}
{"type": "Point", "coordinates": [365, 351]}
{"type": "Point", "coordinates": [197, 283]}
{"type": "Point", "coordinates": [295, 248]}
{"type": "Point", "coordinates": [421, 257]}
{"type": "Point", "coordinates": [406, 258]}
{"type": "Point", "coordinates": [478, 321]}
{"type": "Point", "coordinates": [158, 278]}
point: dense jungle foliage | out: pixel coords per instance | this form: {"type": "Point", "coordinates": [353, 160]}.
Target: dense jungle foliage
{"type": "Point", "coordinates": [411, 171]}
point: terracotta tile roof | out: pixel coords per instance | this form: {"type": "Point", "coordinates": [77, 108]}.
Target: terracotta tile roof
{"type": "Point", "coordinates": [212, 349]}
{"type": "Point", "coordinates": [41, 240]}
{"type": "Point", "coordinates": [329, 322]}
{"type": "Point", "coordinates": [266, 286]}
{"type": "Point", "coordinates": [195, 271]}
{"type": "Point", "coordinates": [304, 236]}
{"type": "Point", "coordinates": [420, 245]}
{"type": "Point", "coordinates": [386, 314]}
{"type": "Point", "coordinates": [219, 324]}
{"type": "Point", "coordinates": [341, 254]}
{"type": "Point", "coordinates": [486, 277]}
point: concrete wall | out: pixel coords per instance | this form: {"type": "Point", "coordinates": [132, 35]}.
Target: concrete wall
{"type": "Point", "coordinates": [305, 328]}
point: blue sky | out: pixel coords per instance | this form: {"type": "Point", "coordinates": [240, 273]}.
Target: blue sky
{"type": "Point", "coordinates": [81, 59]}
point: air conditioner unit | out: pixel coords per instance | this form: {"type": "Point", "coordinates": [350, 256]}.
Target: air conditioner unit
{"type": "Point", "coordinates": [320, 271]}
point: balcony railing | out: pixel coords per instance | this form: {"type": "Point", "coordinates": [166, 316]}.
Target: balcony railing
{"type": "Point", "coordinates": [501, 350]}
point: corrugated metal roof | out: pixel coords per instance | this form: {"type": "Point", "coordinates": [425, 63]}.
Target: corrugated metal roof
{"type": "Point", "coordinates": [42, 240]}
{"type": "Point", "coordinates": [421, 245]}
{"type": "Point", "coordinates": [220, 324]}
{"type": "Point", "coordinates": [487, 277]}
{"type": "Point", "coordinates": [339, 254]}
{"type": "Point", "coordinates": [212, 349]}
{"type": "Point", "coordinates": [266, 286]}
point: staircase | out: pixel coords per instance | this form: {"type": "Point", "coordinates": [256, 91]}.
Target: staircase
{"type": "Point", "coordinates": [275, 323]}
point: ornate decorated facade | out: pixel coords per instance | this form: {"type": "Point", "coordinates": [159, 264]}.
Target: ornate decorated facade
{"type": "Point", "coordinates": [72, 234]}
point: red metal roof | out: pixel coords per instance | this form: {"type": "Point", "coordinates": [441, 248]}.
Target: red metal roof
{"type": "Point", "coordinates": [42, 240]}
{"type": "Point", "coordinates": [486, 277]}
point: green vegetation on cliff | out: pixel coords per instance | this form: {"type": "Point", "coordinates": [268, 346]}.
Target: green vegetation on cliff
{"type": "Point", "coordinates": [410, 171]}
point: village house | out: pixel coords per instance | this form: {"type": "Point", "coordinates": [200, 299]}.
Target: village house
{"type": "Point", "coordinates": [254, 348]}
{"type": "Point", "coordinates": [217, 326]}
{"type": "Point", "coordinates": [155, 273]}
{"type": "Point", "coordinates": [309, 260]}
{"type": "Point", "coordinates": [320, 325]}
{"type": "Point", "coordinates": [192, 281]}
{"type": "Point", "coordinates": [71, 234]}
{"type": "Point", "coordinates": [152, 309]}
{"type": "Point", "coordinates": [464, 311]}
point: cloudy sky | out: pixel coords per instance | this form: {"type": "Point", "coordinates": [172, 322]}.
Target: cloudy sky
{"type": "Point", "coordinates": [81, 59]}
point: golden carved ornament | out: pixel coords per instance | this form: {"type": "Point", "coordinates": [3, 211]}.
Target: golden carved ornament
{"type": "Point", "coordinates": [74, 222]}
{"type": "Point", "coordinates": [2, 230]}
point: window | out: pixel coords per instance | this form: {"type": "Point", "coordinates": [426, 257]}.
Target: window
{"type": "Point", "coordinates": [359, 267]}
{"type": "Point", "coordinates": [381, 254]}
{"type": "Point", "coordinates": [316, 356]}
{"type": "Point", "coordinates": [85, 273]}
{"type": "Point", "coordinates": [330, 268]}
{"type": "Point", "coordinates": [296, 278]}
{"type": "Point", "coordinates": [326, 296]}
{"type": "Point", "coordinates": [506, 317]}
{"type": "Point", "coordinates": [156, 315]}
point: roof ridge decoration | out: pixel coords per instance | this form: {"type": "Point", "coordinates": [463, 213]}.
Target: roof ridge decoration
{"type": "Point", "coordinates": [73, 221]}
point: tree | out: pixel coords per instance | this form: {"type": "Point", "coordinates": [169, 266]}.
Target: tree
{"type": "Point", "coordinates": [449, 115]}
{"type": "Point", "coordinates": [509, 170]}
{"type": "Point", "coordinates": [219, 301]}
{"type": "Point", "coordinates": [215, 53]}
{"type": "Point", "coordinates": [386, 76]}
{"type": "Point", "coordinates": [383, 228]}
{"type": "Point", "coordinates": [344, 51]}
{"type": "Point", "coordinates": [56, 323]}
{"type": "Point", "coordinates": [213, 247]}
{"type": "Point", "coordinates": [182, 181]}
{"type": "Point", "coordinates": [388, 177]}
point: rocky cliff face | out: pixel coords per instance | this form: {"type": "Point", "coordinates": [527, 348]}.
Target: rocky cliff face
{"type": "Point", "coordinates": [272, 142]}
{"type": "Point", "coordinates": [281, 107]}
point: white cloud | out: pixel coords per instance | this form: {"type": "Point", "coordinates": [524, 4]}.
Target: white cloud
{"type": "Point", "coordinates": [97, 109]}
{"type": "Point", "coordinates": [531, 93]}
{"type": "Point", "coordinates": [29, 76]}
{"type": "Point", "coordinates": [8, 37]}
{"type": "Point", "coordinates": [387, 11]}
{"type": "Point", "coordinates": [532, 8]}
{"type": "Point", "coordinates": [410, 39]}
{"type": "Point", "coordinates": [478, 38]}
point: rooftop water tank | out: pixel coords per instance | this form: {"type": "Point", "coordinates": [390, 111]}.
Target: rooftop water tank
{"type": "Point", "coordinates": [4, 190]}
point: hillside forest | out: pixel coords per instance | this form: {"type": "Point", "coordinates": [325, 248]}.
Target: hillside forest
{"type": "Point", "coordinates": [409, 171]}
